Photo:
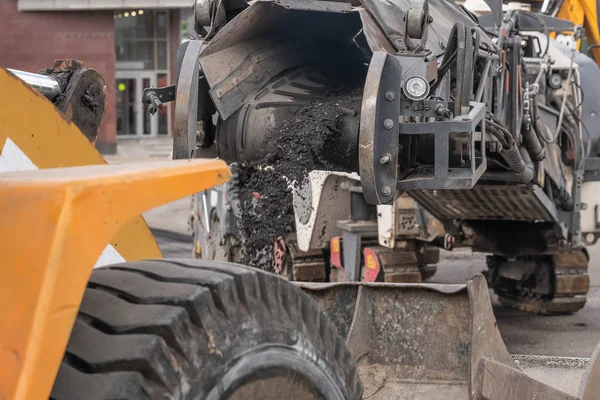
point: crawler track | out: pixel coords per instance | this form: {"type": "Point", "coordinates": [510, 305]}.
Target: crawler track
{"type": "Point", "coordinates": [559, 284]}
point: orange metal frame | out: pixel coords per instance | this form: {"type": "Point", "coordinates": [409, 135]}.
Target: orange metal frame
{"type": "Point", "coordinates": [55, 223]}
{"type": "Point", "coordinates": [50, 141]}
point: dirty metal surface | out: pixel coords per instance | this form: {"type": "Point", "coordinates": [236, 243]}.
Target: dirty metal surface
{"type": "Point", "coordinates": [407, 340]}
{"type": "Point", "coordinates": [501, 382]}
{"type": "Point", "coordinates": [267, 39]}
{"type": "Point", "coordinates": [443, 175]}
{"type": "Point", "coordinates": [486, 341]}
{"type": "Point", "coordinates": [379, 129]}
{"type": "Point", "coordinates": [423, 341]}
{"type": "Point", "coordinates": [516, 202]}
{"type": "Point", "coordinates": [186, 104]}
{"type": "Point", "coordinates": [376, 39]}
{"type": "Point", "coordinates": [338, 302]}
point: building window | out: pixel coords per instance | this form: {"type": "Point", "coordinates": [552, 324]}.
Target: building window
{"type": "Point", "coordinates": [141, 39]}
{"type": "Point", "coordinates": [142, 61]}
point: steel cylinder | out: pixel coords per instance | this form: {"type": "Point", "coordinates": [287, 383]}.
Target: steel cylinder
{"type": "Point", "coordinates": [44, 84]}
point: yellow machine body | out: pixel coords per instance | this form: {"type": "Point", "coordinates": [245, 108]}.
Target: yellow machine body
{"type": "Point", "coordinates": [584, 13]}
{"type": "Point", "coordinates": [55, 224]}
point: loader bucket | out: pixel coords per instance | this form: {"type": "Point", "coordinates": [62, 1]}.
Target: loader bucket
{"type": "Point", "coordinates": [425, 341]}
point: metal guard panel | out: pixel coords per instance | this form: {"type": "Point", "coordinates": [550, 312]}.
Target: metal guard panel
{"type": "Point", "coordinates": [488, 202]}
{"type": "Point", "coordinates": [375, 140]}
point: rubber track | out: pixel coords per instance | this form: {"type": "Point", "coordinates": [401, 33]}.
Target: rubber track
{"type": "Point", "coordinates": [574, 264]}
{"type": "Point", "coordinates": [149, 329]}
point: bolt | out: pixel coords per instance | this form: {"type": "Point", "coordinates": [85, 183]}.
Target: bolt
{"type": "Point", "coordinates": [385, 159]}
{"type": "Point", "coordinates": [430, 18]}
{"type": "Point", "coordinates": [388, 124]}
{"type": "Point", "coordinates": [389, 96]}
{"type": "Point", "coordinates": [386, 190]}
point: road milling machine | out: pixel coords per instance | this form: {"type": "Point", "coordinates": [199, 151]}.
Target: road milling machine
{"type": "Point", "coordinates": [445, 131]}
{"type": "Point", "coordinates": [150, 328]}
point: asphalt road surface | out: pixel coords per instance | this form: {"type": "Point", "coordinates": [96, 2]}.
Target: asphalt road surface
{"type": "Point", "coordinates": [573, 335]}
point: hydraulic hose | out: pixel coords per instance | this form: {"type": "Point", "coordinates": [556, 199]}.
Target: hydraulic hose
{"type": "Point", "coordinates": [518, 160]}
{"type": "Point", "coordinates": [541, 130]}
{"type": "Point", "coordinates": [532, 143]}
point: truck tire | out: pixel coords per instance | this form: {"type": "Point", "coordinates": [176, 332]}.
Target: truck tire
{"type": "Point", "coordinates": [193, 329]}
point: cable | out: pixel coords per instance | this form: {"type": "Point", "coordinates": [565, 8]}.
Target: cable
{"type": "Point", "coordinates": [586, 149]}
{"type": "Point", "coordinates": [506, 132]}
{"type": "Point", "coordinates": [502, 135]}
{"type": "Point", "coordinates": [499, 136]}
{"type": "Point", "coordinates": [580, 91]}
{"type": "Point", "coordinates": [563, 104]}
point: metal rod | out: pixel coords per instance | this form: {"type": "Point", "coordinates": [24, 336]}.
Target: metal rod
{"type": "Point", "coordinates": [564, 99]}
{"type": "Point", "coordinates": [484, 79]}
{"type": "Point", "coordinates": [46, 85]}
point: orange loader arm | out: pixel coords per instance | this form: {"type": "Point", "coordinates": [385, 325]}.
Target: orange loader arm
{"type": "Point", "coordinates": [584, 13]}
{"type": "Point", "coordinates": [48, 251]}
{"type": "Point", "coordinates": [55, 224]}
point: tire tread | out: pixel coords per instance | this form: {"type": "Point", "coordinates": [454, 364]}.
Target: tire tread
{"type": "Point", "coordinates": [139, 324]}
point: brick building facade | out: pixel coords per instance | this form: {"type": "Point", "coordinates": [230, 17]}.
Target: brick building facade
{"type": "Point", "coordinates": [31, 40]}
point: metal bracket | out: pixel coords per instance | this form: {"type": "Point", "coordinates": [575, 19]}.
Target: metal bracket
{"type": "Point", "coordinates": [353, 232]}
{"type": "Point", "coordinates": [156, 97]}
{"type": "Point", "coordinates": [444, 177]}
{"type": "Point", "coordinates": [576, 214]}
{"type": "Point", "coordinates": [379, 129]}
{"type": "Point", "coordinates": [414, 25]}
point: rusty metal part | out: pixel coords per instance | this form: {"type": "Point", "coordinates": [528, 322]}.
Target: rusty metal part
{"type": "Point", "coordinates": [84, 101]}
{"type": "Point", "coordinates": [79, 92]}
{"type": "Point", "coordinates": [379, 129]}
{"type": "Point", "coordinates": [399, 265]}
{"type": "Point", "coordinates": [563, 290]}
{"type": "Point", "coordinates": [410, 262]}
{"type": "Point", "coordinates": [419, 341]}
{"type": "Point", "coordinates": [296, 265]}
{"type": "Point", "coordinates": [376, 39]}
{"type": "Point", "coordinates": [186, 103]}
{"type": "Point", "coordinates": [502, 382]}
{"type": "Point", "coordinates": [306, 266]}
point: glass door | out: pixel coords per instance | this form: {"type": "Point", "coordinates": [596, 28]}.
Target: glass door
{"type": "Point", "coordinates": [126, 107]}
{"type": "Point", "coordinates": [133, 119]}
